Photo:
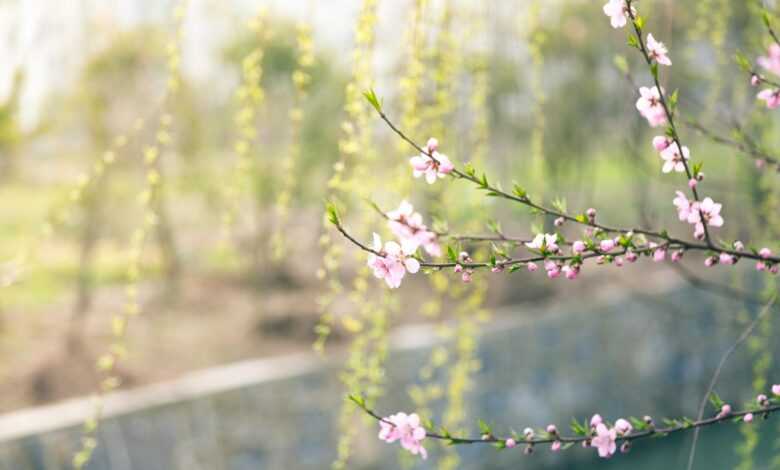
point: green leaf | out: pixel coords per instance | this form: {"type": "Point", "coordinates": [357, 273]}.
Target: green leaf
{"type": "Point", "coordinates": [633, 41]}
{"type": "Point", "coordinates": [519, 191]}
{"type": "Point", "coordinates": [451, 254]}
{"type": "Point", "coordinates": [358, 400]}
{"type": "Point", "coordinates": [654, 70]}
{"type": "Point", "coordinates": [484, 428]}
{"type": "Point", "coordinates": [743, 61]}
{"type": "Point", "coordinates": [716, 401]}
{"type": "Point", "coordinates": [639, 22]}
{"type": "Point", "coordinates": [370, 95]}
{"type": "Point", "coordinates": [332, 213]}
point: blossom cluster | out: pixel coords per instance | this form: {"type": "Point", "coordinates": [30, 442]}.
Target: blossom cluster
{"type": "Point", "coordinates": [770, 62]}
{"type": "Point", "coordinates": [392, 260]}
{"type": "Point", "coordinates": [405, 428]}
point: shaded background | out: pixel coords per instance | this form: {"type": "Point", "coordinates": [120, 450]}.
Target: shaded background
{"type": "Point", "coordinates": [559, 117]}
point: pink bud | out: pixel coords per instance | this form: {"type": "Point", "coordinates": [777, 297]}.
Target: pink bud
{"type": "Point", "coordinates": [762, 400]}
{"type": "Point", "coordinates": [739, 246]}
{"type": "Point", "coordinates": [607, 245]}
{"type": "Point", "coordinates": [631, 257]}
{"type": "Point", "coordinates": [776, 390]}
{"type": "Point", "coordinates": [464, 256]}
{"type": "Point", "coordinates": [551, 429]}
{"type": "Point", "coordinates": [692, 183]}
{"type": "Point", "coordinates": [710, 261]}
{"type": "Point", "coordinates": [725, 410]}
{"type": "Point", "coordinates": [555, 446]}
{"type": "Point", "coordinates": [748, 418]}
{"type": "Point", "coordinates": [700, 176]}
{"type": "Point", "coordinates": [677, 256]}
{"type": "Point", "coordinates": [755, 80]}
{"type": "Point", "coordinates": [432, 145]}
{"type": "Point", "coordinates": [510, 443]}
{"type": "Point", "coordinates": [466, 276]}
{"type": "Point", "coordinates": [760, 266]}
{"type": "Point", "coordinates": [659, 255]}
{"type": "Point", "coordinates": [578, 247]}
{"type": "Point", "coordinates": [570, 272]}
{"type": "Point", "coordinates": [623, 427]}
{"type": "Point", "coordinates": [591, 213]}
{"type": "Point", "coordinates": [773, 269]}
{"type": "Point", "coordinates": [559, 221]}
{"type": "Point", "coordinates": [532, 267]}
{"type": "Point", "coordinates": [625, 447]}
{"type": "Point", "coordinates": [727, 259]}
{"type": "Point", "coordinates": [458, 268]}
{"type": "Point", "coordinates": [765, 253]}
{"type": "Point", "coordinates": [661, 142]}
{"type": "Point", "coordinates": [601, 259]}
{"type": "Point", "coordinates": [619, 261]}
{"type": "Point", "coordinates": [528, 433]}
{"type": "Point", "coordinates": [497, 268]}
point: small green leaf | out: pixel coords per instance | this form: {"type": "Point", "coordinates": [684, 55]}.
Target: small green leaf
{"type": "Point", "coordinates": [633, 41]}
{"type": "Point", "coordinates": [332, 213]}
{"type": "Point", "coordinates": [484, 428]}
{"type": "Point", "coordinates": [370, 95]}
{"type": "Point", "coordinates": [743, 61]}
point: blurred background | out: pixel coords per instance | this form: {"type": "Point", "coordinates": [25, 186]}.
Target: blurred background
{"type": "Point", "coordinates": [172, 298]}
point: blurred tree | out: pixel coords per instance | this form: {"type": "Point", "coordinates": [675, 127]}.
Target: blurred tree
{"type": "Point", "coordinates": [10, 134]}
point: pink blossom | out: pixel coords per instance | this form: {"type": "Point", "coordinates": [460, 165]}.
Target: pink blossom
{"type": "Point", "coordinates": [619, 261]}
{"type": "Point", "coordinates": [725, 410]}
{"type": "Point", "coordinates": [578, 247]}
{"type": "Point", "coordinates": [552, 429]}
{"type": "Point", "coordinates": [555, 446]}
{"type": "Point", "coordinates": [774, 269]}
{"type": "Point", "coordinates": [623, 427]}
{"type": "Point", "coordinates": [546, 243]}
{"type": "Point", "coordinates": [510, 443]}
{"type": "Point", "coordinates": [692, 183]}
{"type": "Point", "coordinates": [433, 164]}
{"type": "Point", "coordinates": [528, 433]}
{"type": "Point", "coordinates": [407, 429]}
{"type": "Point", "coordinates": [559, 221]}
{"type": "Point", "coordinates": [748, 418]}
{"type": "Point", "coordinates": [466, 276]}
{"type": "Point", "coordinates": [532, 267]}
{"type": "Point", "coordinates": [738, 245]}
{"type": "Point", "coordinates": [771, 96]}
{"type": "Point", "coordinates": [659, 255]}
{"type": "Point", "coordinates": [631, 257]}
{"type": "Point", "coordinates": [760, 266]}
{"type": "Point", "coordinates": [762, 400]}
{"type": "Point", "coordinates": [650, 106]}
{"type": "Point", "coordinates": [674, 159]}
{"type": "Point", "coordinates": [596, 420]}
{"type": "Point", "coordinates": [771, 62]}
{"type": "Point", "coordinates": [684, 206]}
{"type": "Point", "coordinates": [571, 272]}
{"type": "Point", "coordinates": [677, 256]}
{"type": "Point", "coordinates": [607, 245]}
{"type": "Point", "coordinates": [604, 441]}
{"type": "Point", "coordinates": [776, 390]}
{"type": "Point", "coordinates": [710, 261]}
{"type": "Point", "coordinates": [553, 269]}
{"type": "Point", "coordinates": [660, 142]}
{"type": "Point", "coordinates": [395, 261]}
{"type": "Point", "coordinates": [727, 259]}
{"type": "Point", "coordinates": [765, 253]}
{"type": "Point", "coordinates": [755, 80]}
{"type": "Point", "coordinates": [625, 447]}
{"type": "Point", "coordinates": [591, 213]}
{"type": "Point", "coordinates": [657, 51]}
{"type": "Point", "coordinates": [617, 10]}
{"type": "Point", "coordinates": [710, 211]}
{"type": "Point", "coordinates": [407, 224]}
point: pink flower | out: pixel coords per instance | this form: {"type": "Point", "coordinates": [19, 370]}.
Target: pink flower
{"type": "Point", "coordinates": [710, 261]}
{"type": "Point", "coordinates": [532, 267]}
{"type": "Point", "coordinates": [755, 80]}
{"type": "Point", "coordinates": [438, 166]}
{"type": "Point", "coordinates": [559, 221]}
{"type": "Point", "coordinates": [596, 420]}
{"type": "Point", "coordinates": [725, 410]}
{"type": "Point", "coordinates": [657, 51]}
{"type": "Point", "coordinates": [604, 441]}
{"type": "Point", "coordinates": [591, 213]}
{"type": "Point", "coordinates": [738, 245]}
{"type": "Point", "coordinates": [407, 429]}
{"type": "Point", "coordinates": [650, 106]}
{"type": "Point", "coordinates": [760, 266]}
{"type": "Point", "coordinates": [552, 429]}
{"type": "Point", "coordinates": [776, 390]}
{"type": "Point", "coordinates": [674, 159]}
{"type": "Point", "coordinates": [607, 245]}
{"type": "Point", "coordinates": [684, 206]}
{"type": "Point", "coordinates": [771, 62]}
{"type": "Point", "coordinates": [631, 257]}
{"type": "Point", "coordinates": [578, 247]}
{"type": "Point", "coordinates": [407, 224]}
{"type": "Point", "coordinates": [544, 242]}
{"type": "Point", "coordinates": [762, 400]}
{"type": "Point", "coordinates": [555, 446]}
{"type": "Point", "coordinates": [692, 183]}
{"type": "Point", "coordinates": [623, 427]}
{"type": "Point", "coordinates": [617, 10]}
{"type": "Point", "coordinates": [659, 255]}
{"type": "Point", "coordinates": [571, 272]}
{"type": "Point", "coordinates": [677, 256]}
{"type": "Point", "coordinates": [660, 142]}
{"type": "Point", "coordinates": [727, 259]}
{"type": "Point", "coordinates": [710, 211]}
{"type": "Point", "coordinates": [466, 276]}
{"type": "Point", "coordinates": [552, 268]}
{"type": "Point", "coordinates": [528, 433]}
{"type": "Point", "coordinates": [394, 262]}
{"type": "Point", "coordinates": [748, 418]}
{"type": "Point", "coordinates": [765, 253]}
{"type": "Point", "coordinates": [772, 97]}
{"type": "Point", "coordinates": [510, 443]}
